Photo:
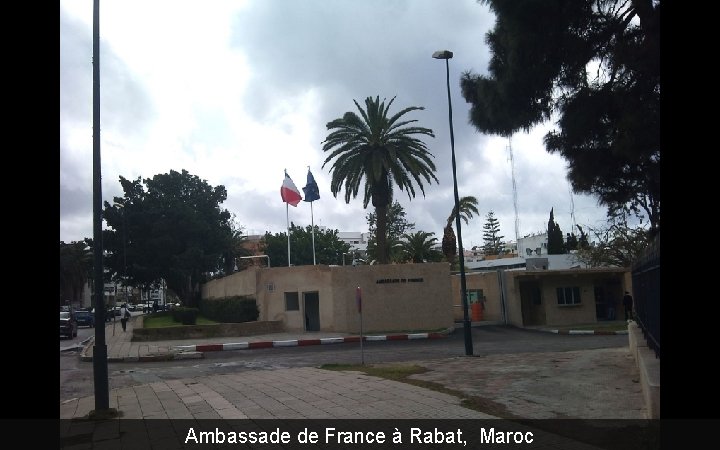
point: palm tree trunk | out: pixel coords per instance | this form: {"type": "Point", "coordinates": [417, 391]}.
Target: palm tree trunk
{"type": "Point", "coordinates": [381, 235]}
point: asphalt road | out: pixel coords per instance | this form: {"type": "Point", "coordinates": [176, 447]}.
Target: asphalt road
{"type": "Point", "coordinates": [76, 377]}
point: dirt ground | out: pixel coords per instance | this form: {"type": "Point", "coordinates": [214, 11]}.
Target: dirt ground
{"type": "Point", "coordinates": [585, 384]}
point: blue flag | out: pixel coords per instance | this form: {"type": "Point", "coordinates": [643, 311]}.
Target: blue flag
{"type": "Point", "coordinates": [311, 190]}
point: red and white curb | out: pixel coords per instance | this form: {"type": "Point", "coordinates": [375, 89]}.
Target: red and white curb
{"type": "Point", "coordinates": [304, 342]}
{"type": "Point", "coordinates": [596, 332]}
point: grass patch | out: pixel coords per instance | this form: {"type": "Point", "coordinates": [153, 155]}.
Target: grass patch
{"type": "Point", "coordinates": [163, 321]}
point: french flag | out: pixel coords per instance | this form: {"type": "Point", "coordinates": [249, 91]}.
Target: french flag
{"type": "Point", "coordinates": [289, 193]}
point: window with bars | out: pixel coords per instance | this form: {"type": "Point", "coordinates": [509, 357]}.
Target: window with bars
{"type": "Point", "coordinates": [568, 295]}
{"type": "Point", "coordinates": [292, 301]}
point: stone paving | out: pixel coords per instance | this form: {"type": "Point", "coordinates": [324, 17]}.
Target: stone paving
{"type": "Point", "coordinates": [592, 384]}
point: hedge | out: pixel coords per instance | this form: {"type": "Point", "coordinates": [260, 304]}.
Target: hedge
{"type": "Point", "coordinates": [236, 309]}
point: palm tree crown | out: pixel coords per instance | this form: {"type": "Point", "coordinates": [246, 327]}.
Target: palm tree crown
{"type": "Point", "coordinates": [420, 246]}
{"type": "Point", "coordinates": [381, 151]}
{"type": "Point", "coordinates": [467, 209]}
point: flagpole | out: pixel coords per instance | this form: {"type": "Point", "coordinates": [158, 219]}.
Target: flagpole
{"type": "Point", "coordinates": [287, 217]}
{"type": "Point", "coordinates": [312, 225]}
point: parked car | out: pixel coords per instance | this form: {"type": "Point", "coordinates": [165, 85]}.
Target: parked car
{"type": "Point", "coordinates": [108, 314]}
{"type": "Point", "coordinates": [85, 318]}
{"type": "Point", "coordinates": [68, 324]}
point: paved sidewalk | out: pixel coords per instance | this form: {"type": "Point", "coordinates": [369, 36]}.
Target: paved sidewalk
{"type": "Point", "coordinates": [597, 384]}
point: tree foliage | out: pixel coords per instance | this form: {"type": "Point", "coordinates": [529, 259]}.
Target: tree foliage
{"type": "Point", "coordinates": [76, 265]}
{"type": "Point", "coordinates": [381, 151]}
{"type": "Point", "coordinates": [615, 245]}
{"type": "Point", "coordinates": [594, 64]}
{"type": "Point", "coordinates": [168, 227]}
{"type": "Point", "coordinates": [329, 248]}
{"type": "Point", "coordinates": [491, 237]}
{"type": "Point", "coordinates": [397, 226]}
{"type": "Point", "coordinates": [419, 247]}
{"type": "Point", "coordinates": [556, 243]}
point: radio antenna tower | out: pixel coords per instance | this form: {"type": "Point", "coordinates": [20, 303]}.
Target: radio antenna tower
{"type": "Point", "coordinates": [514, 187]}
{"type": "Point", "coordinates": [572, 208]}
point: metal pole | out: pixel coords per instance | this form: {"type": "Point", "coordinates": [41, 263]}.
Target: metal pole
{"type": "Point", "coordinates": [100, 364]}
{"type": "Point", "coordinates": [463, 288]}
{"type": "Point", "coordinates": [287, 218]}
{"type": "Point", "coordinates": [312, 227]}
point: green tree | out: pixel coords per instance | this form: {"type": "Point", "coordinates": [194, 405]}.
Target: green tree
{"type": "Point", "coordinates": [397, 226]}
{"type": "Point", "coordinates": [594, 64]}
{"type": "Point", "coordinates": [467, 210]}
{"type": "Point", "coordinates": [381, 150]}
{"type": "Point", "coordinates": [616, 245]}
{"type": "Point", "coordinates": [571, 242]}
{"type": "Point", "coordinates": [76, 264]}
{"type": "Point", "coordinates": [491, 237]}
{"type": "Point", "coordinates": [234, 251]}
{"type": "Point", "coordinates": [420, 247]}
{"type": "Point", "coordinates": [329, 248]}
{"type": "Point", "coordinates": [556, 244]}
{"type": "Point", "coordinates": [168, 227]}
{"type": "Point", "coordinates": [583, 240]}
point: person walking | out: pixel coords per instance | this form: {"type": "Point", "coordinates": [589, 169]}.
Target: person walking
{"type": "Point", "coordinates": [628, 304]}
{"type": "Point", "coordinates": [124, 316]}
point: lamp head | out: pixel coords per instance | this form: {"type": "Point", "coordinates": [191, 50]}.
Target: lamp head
{"type": "Point", "coordinates": [442, 54]}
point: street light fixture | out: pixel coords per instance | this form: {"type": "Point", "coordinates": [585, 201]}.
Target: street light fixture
{"type": "Point", "coordinates": [446, 55]}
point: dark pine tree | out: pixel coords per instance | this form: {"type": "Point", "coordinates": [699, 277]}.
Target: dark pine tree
{"type": "Point", "coordinates": [556, 243]}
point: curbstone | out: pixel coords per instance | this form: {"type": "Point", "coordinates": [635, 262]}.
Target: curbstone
{"type": "Point", "coordinates": [305, 342]}
{"type": "Point", "coordinates": [595, 332]}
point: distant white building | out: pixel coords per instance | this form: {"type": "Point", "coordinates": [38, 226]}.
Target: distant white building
{"type": "Point", "coordinates": [531, 255]}
{"type": "Point", "coordinates": [358, 245]}
{"type": "Point", "coordinates": [533, 245]}
{"type": "Point", "coordinates": [356, 240]}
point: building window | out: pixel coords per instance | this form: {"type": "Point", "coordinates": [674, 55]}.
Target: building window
{"type": "Point", "coordinates": [292, 302]}
{"type": "Point", "coordinates": [475, 295]}
{"type": "Point", "coordinates": [568, 295]}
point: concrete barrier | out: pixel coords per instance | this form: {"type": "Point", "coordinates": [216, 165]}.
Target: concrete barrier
{"type": "Point", "coordinates": [649, 368]}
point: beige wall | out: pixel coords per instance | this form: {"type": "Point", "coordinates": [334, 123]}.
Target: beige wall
{"type": "Point", "coordinates": [406, 297]}
{"type": "Point", "coordinates": [614, 281]}
{"type": "Point", "coordinates": [239, 283]}
{"type": "Point", "coordinates": [488, 282]}
{"type": "Point", "coordinates": [402, 297]}
{"type": "Point", "coordinates": [562, 314]}
{"type": "Point", "coordinates": [298, 279]}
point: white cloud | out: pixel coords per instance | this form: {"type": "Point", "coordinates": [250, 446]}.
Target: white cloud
{"type": "Point", "coordinates": [235, 92]}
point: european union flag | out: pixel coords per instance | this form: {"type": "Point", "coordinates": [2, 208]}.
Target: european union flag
{"type": "Point", "coordinates": [311, 190]}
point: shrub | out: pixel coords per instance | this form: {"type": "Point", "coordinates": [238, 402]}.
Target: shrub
{"type": "Point", "coordinates": [186, 316]}
{"type": "Point", "coordinates": [237, 309]}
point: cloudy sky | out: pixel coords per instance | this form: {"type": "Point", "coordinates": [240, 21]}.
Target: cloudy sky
{"type": "Point", "coordinates": [236, 92]}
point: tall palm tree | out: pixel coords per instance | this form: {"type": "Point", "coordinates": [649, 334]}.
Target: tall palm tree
{"type": "Point", "coordinates": [467, 208]}
{"type": "Point", "coordinates": [419, 246]}
{"type": "Point", "coordinates": [381, 150]}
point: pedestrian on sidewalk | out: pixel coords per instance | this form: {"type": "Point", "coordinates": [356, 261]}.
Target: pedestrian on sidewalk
{"type": "Point", "coordinates": [124, 316]}
{"type": "Point", "coordinates": [628, 304]}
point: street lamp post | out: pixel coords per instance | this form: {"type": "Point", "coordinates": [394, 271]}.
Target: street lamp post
{"type": "Point", "coordinates": [446, 55]}
{"type": "Point", "coordinates": [100, 364]}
